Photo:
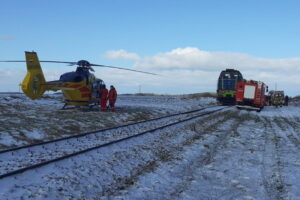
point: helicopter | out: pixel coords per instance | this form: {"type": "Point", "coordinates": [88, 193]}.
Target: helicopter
{"type": "Point", "coordinates": [79, 88]}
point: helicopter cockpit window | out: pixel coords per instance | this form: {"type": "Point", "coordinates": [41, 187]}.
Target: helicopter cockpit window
{"type": "Point", "coordinates": [82, 70]}
{"type": "Point", "coordinates": [71, 77]}
{"type": "Point", "coordinates": [79, 69]}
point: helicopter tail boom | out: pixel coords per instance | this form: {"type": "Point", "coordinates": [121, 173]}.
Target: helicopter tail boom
{"type": "Point", "coordinates": [34, 83]}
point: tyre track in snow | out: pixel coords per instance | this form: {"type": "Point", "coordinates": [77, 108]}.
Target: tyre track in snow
{"type": "Point", "coordinates": [22, 159]}
{"type": "Point", "coordinates": [165, 150]}
{"type": "Point", "coordinates": [246, 182]}
{"type": "Point", "coordinates": [224, 177]}
{"type": "Point", "coordinates": [289, 130]}
{"type": "Point", "coordinates": [208, 140]}
{"type": "Point", "coordinates": [203, 160]}
{"type": "Point", "coordinates": [234, 189]}
{"type": "Point", "coordinates": [272, 163]}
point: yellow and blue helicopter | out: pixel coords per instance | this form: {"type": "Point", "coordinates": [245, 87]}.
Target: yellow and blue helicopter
{"type": "Point", "coordinates": [80, 87]}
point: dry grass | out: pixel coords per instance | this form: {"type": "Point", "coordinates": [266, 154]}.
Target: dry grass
{"type": "Point", "coordinates": [199, 95]}
{"type": "Point", "coordinates": [190, 96]}
{"type": "Point", "coordinates": [51, 122]}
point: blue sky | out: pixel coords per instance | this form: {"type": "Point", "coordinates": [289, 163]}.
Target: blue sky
{"type": "Point", "coordinates": [75, 29]}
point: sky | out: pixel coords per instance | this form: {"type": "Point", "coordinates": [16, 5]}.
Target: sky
{"type": "Point", "coordinates": [187, 42]}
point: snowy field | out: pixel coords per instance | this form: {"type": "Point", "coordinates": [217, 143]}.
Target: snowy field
{"type": "Point", "coordinates": [24, 121]}
{"type": "Point", "coordinates": [232, 154]}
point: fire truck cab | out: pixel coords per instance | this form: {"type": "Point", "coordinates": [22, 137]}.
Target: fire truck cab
{"type": "Point", "coordinates": [251, 95]}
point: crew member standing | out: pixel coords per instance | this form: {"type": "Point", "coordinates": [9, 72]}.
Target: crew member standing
{"type": "Point", "coordinates": [286, 100]}
{"type": "Point", "coordinates": [103, 98]}
{"type": "Point", "coordinates": [112, 97]}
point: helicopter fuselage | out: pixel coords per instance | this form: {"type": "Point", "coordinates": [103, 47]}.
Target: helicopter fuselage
{"type": "Point", "coordinates": [80, 88]}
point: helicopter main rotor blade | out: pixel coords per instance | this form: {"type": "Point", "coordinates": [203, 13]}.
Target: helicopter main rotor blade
{"type": "Point", "coordinates": [89, 65]}
{"type": "Point", "coordinates": [45, 61]}
{"type": "Point", "coordinates": [12, 60]}
{"type": "Point", "coordinates": [123, 69]}
{"type": "Point", "coordinates": [53, 61]}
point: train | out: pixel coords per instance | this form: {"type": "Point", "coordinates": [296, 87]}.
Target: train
{"type": "Point", "coordinates": [227, 85]}
{"type": "Point", "coordinates": [233, 89]}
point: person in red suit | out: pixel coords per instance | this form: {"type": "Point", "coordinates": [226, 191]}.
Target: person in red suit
{"type": "Point", "coordinates": [112, 97]}
{"type": "Point", "coordinates": [103, 98]}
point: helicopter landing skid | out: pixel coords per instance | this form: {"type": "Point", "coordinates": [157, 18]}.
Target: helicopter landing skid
{"type": "Point", "coordinates": [91, 106]}
{"type": "Point", "coordinates": [65, 107]}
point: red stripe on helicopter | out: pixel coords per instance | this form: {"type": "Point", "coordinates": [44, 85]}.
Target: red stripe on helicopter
{"type": "Point", "coordinates": [86, 95]}
{"type": "Point", "coordinates": [84, 89]}
{"type": "Point", "coordinates": [75, 86]}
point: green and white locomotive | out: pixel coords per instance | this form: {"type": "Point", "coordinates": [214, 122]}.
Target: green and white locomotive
{"type": "Point", "coordinates": [227, 84]}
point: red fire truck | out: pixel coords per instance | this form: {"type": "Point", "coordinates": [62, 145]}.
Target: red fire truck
{"type": "Point", "coordinates": [251, 95]}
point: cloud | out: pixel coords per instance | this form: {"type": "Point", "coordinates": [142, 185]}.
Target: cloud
{"type": "Point", "coordinates": [187, 70]}
{"type": "Point", "coordinates": [122, 54]}
{"type": "Point", "coordinates": [182, 70]}
{"type": "Point", "coordinates": [191, 58]}
{"type": "Point", "coordinates": [6, 37]}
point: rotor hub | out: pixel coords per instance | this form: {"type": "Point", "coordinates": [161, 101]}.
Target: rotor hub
{"type": "Point", "coordinates": [83, 63]}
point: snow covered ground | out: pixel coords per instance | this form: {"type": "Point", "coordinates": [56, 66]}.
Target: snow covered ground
{"type": "Point", "coordinates": [24, 121]}
{"type": "Point", "coordinates": [228, 155]}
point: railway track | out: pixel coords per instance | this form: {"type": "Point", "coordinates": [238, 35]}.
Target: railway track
{"type": "Point", "coordinates": [21, 159]}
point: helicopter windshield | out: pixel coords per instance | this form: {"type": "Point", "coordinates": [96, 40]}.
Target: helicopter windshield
{"type": "Point", "coordinates": [72, 77]}
{"type": "Point", "coordinates": [83, 70]}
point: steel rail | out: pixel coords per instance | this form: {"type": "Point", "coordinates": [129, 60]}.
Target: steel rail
{"type": "Point", "coordinates": [101, 130]}
{"type": "Point", "coordinates": [21, 170]}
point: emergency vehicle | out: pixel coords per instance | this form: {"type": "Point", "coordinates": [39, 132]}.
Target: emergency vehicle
{"type": "Point", "coordinates": [277, 98]}
{"type": "Point", "coordinates": [251, 95]}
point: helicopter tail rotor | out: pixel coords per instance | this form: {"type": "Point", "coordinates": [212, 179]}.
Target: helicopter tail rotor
{"type": "Point", "coordinates": [34, 83]}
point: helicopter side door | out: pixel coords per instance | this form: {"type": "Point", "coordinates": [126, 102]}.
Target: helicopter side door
{"type": "Point", "coordinates": [96, 87]}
